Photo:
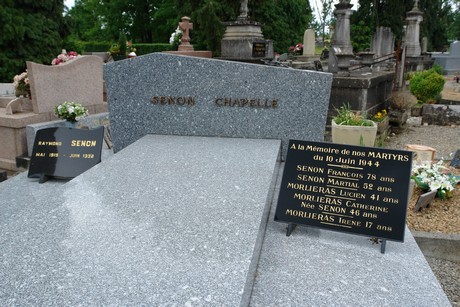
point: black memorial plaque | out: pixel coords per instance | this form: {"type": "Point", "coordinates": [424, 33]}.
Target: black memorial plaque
{"type": "Point", "coordinates": [259, 49]}
{"type": "Point", "coordinates": [361, 190]}
{"type": "Point", "coordinates": [65, 152]}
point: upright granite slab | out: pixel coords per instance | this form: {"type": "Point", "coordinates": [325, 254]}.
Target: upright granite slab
{"type": "Point", "coordinates": [169, 94]}
{"type": "Point", "coordinates": [169, 220]}
{"type": "Point", "coordinates": [79, 80]}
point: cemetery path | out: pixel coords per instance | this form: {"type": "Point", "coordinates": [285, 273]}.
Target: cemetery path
{"type": "Point", "coordinates": [451, 89]}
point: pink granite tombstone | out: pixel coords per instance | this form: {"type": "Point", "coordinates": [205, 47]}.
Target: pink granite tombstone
{"type": "Point", "coordinates": [79, 80]}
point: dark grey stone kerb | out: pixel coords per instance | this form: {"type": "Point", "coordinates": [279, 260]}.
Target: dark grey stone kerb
{"type": "Point", "coordinates": [439, 245]}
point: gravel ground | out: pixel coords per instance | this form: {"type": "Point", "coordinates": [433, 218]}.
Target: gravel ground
{"type": "Point", "coordinates": [446, 141]}
{"type": "Point", "coordinates": [448, 275]}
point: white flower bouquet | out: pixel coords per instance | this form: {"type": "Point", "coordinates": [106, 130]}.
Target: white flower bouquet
{"type": "Point", "coordinates": [434, 176]}
{"type": "Point", "coordinates": [70, 111]}
{"type": "Point", "coordinates": [175, 38]}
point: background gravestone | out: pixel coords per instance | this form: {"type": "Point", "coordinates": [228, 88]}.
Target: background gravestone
{"type": "Point", "coordinates": [79, 80]}
{"type": "Point", "coordinates": [383, 42]}
{"type": "Point", "coordinates": [176, 95]}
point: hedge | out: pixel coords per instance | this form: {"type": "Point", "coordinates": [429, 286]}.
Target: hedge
{"type": "Point", "coordinates": [142, 49]}
{"type": "Point", "coordinates": [95, 46]}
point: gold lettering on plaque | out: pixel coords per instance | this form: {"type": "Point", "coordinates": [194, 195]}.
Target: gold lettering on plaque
{"type": "Point", "coordinates": [83, 143]}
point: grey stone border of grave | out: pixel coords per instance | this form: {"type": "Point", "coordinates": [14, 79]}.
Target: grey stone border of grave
{"type": "Point", "coordinates": [439, 245]}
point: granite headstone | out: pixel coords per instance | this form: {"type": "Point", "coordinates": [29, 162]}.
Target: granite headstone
{"type": "Point", "coordinates": [177, 95]}
{"type": "Point", "coordinates": [79, 80]}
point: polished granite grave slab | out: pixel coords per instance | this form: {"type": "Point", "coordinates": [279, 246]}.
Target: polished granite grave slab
{"type": "Point", "coordinates": [161, 223]}
{"type": "Point", "coordinates": [169, 220]}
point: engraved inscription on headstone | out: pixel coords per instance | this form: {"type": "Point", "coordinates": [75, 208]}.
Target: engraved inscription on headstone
{"type": "Point", "coordinates": [259, 49]}
{"type": "Point", "coordinates": [65, 152]}
{"type": "Point", "coordinates": [361, 190]}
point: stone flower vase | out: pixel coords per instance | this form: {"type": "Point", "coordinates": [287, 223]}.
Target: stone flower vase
{"type": "Point", "coordinates": [70, 124]}
{"type": "Point", "coordinates": [354, 135]}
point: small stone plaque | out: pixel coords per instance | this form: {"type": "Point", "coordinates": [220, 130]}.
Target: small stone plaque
{"type": "Point", "coordinates": [65, 152]}
{"type": "Point", "coordinates": [425, 200]}
{"type": "Point", "coordinates": [361, 190]}
{"type": "Point", "coordinates": [456, 160]}
{"type": "Point", "coordinates": [259, 49]}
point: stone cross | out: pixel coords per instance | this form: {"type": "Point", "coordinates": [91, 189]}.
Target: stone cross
{"type": "Point", "coordinates": [244, 9]}
{"type": "Point", "coordinates": [185, 26]}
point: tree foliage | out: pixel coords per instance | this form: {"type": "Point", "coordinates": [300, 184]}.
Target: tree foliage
{"type": "Point", "coordinates": [31, 31]}
{"type": "Point", "coordinates": [283, 21]}
{"type": "Point", "coordinates": [436, 20]}
{"type": "Point", "coordinates": [324, 16]}
{"type": "Point", "coordinates": [363, 25]}
{"type": "Point", "coordinates": [438, 17]}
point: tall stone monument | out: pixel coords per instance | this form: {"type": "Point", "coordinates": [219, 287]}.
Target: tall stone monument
{"type": "Point", "coordinates": [412, 36]}
{"type": "Point", "coordinates": [341, 43]}
{"type": "Point", "coordinates": [243, 39]}
{"type": "Point", "coordinates": [415, 59]}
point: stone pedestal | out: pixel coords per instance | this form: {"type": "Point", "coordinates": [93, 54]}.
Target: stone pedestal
{"type": "Point", "coordinates": [367, 94]}
{"type": "Point", "coordinates": [367, 58]}
{"type": "Point", "coordinates": [243, 41]}
{"type": "Point", "coordinates": [344, 63]}
{"type": "Point", "coordinates": [341, 39]}
{"type": "Point", "coordinates": [341, 44]}
{"type": "Point", "coordinates": [13, 135]}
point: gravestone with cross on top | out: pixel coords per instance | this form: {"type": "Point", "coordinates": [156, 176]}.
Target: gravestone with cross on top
{"type": "Point", "coordinates": [185, 26]}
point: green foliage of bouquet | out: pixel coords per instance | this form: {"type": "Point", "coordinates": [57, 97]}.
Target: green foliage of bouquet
{"type": "Point", "coordinates": [434, 176]}
{"type": "Point", "coordinates": [70, 111]}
